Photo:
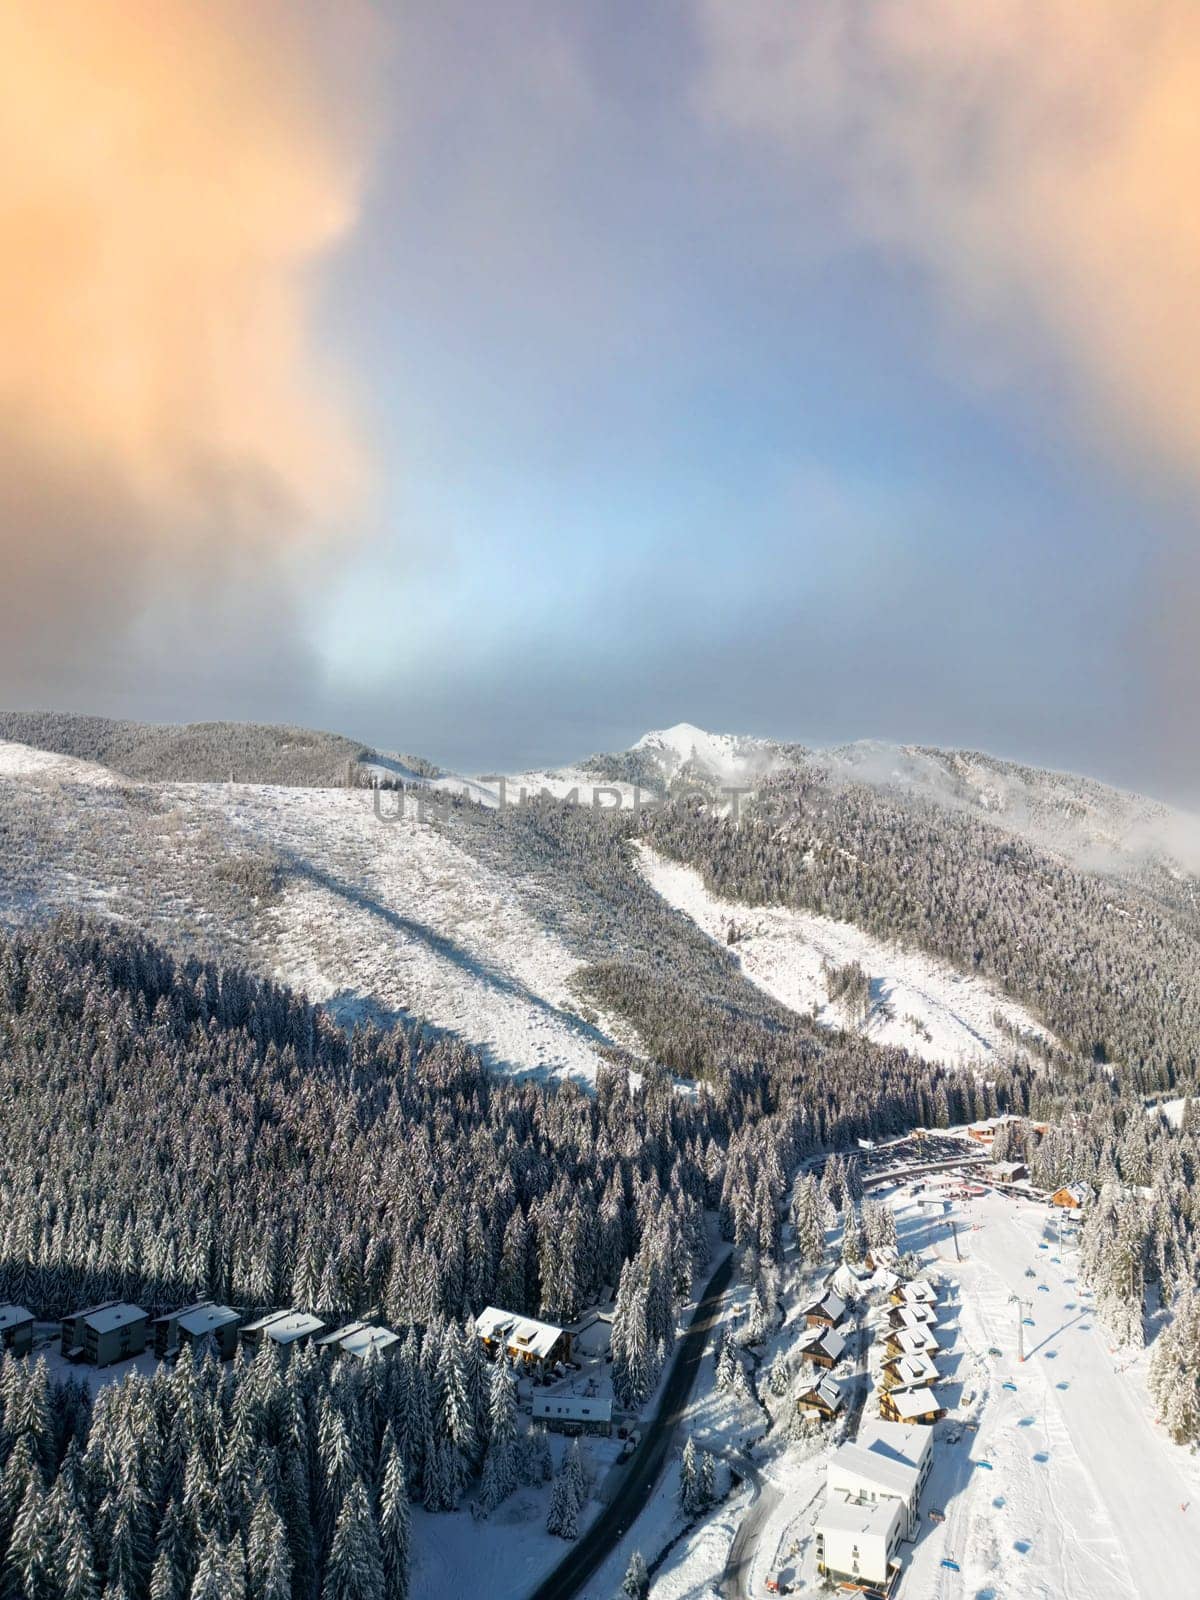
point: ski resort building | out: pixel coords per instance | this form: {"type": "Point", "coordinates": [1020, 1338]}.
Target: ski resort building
{"type": "Point", "coordinates": [911, 1342]}
{"type": "Point", "coordinates": [285, 1329]}
{"type": "Point", "coordinates": [824, 1347]}
{"type": "Point", "coordinates": [917, 1293]}
{"type": "Point", "coordinates": [1072, 1197]}
{"type": "Point", "coordinates": [827, 1312]}
{"type": "Point", "coordinates": [916, 1406]}
{"type": "Point", "coordinates": [824, 1399]}
{"type": "Point", "coordinates": [573, 1413]}
{"type": "Point", "coordinates": [872, 1501]}
{"type": "Point", "coordinates": [192, 1324]}
{"type": "Point", "coordinates": [105, 1333]}
{"type": "Point", "coordinates": [911, 1316]}
{"type": "Point", "coordinates": [360, 1339]}
{"type": "Point", "coordinates": [909, 1372]}
{"type": "Point", "coordinates": [16, 1329]}
{"type": "Point", "coordinates": [524, 1339]}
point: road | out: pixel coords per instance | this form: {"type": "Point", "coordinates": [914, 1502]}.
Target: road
{"type": "Point", "coordinates": [647, 1461]}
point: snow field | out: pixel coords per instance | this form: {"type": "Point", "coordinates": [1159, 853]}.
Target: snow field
{"type": "Point", "coordinates": [917, 1002]}
{"type": "Point", "coordinates": [1083, 1499]}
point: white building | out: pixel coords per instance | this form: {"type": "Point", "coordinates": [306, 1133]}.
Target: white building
{"type": "Point", "coordinates": [284, 1329]}
{"type": "Point", "coordinates": [858, 1539]}
{"type": "Point", "coordinates": [573, 1413]}
{"type": "Point", "coordinates": [361, 1339]}
{"type": "Point", "coordinates": [872, 1500]}
{"type": "Point", "coordinates": [522, 1338]}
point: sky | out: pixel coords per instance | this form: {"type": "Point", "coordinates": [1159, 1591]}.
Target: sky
{"type": "Point", "coordinates": [496, 383]}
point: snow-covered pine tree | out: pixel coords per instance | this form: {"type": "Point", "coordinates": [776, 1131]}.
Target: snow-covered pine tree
{"type": "Point", "coordinates": [395, 1524]}
{"type": "Point", "coordinates": [636, 1583]}
{"type": "Point", "coordinates": [563, 1516]}
{"type": "Point", "coordinates": [354, 1570]}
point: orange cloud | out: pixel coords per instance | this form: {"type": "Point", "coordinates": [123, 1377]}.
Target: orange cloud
{"type": "Point", "coordinates": [1037, 157]}
{"type": "Point", "coordinates": [171, 175]}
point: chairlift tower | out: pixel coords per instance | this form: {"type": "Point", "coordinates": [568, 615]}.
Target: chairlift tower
{"type": "Point", "coordinates": [1024, 1309]}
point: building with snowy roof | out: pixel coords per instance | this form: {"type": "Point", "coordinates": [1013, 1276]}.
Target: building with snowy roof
{"type": "Point", "coordinates": [911, 1316]}
{"type": "Point", "coordinates": [911, 1342]}
{"type": "Point", "coordinates": [872, 1501]}
{"type": "Point", "coordinates": [827, 1312]}
{"type": "Point", "coordinates": [915, 1405]}
{"type": "Point", "coordinates": [360, 1339]}
{"type": "Point", "coordinates": [100, 1335]}
{"type": "Point", "coordinates": [1072, 1196]}
{"type": "Point", "coordinates": [822, 1399]}
{"type": "Point", "coordinates": [907, 1372]}
{"type": "Point", "coordinates": [823, 1347]}
{"type": "Point", "coordinates": [16, 1329]}
{"type": "Point", "coordinates": [573, 1413]}
{"type": "Point", "coordinates": [919, 1292]}
{"type": "Point", "coordinates": [286, 1330]}
{"type": "Point", "coordinates": [524, 1339]}
{"type": "Point", "coordinates": [191, 1324]}
{"type": "Point", "coordinates": [1009, 1171]}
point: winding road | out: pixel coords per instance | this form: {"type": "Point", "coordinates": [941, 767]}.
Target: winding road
{"type": "Point", "coordinates": [647, 1461]}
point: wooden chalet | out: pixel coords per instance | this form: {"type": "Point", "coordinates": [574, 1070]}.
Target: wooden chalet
{"type": "Point", "coordinates": [910, 1406]}
{"type": "Point", "coordinates": [822, 1347]}
{"type": "Point", "coordinates": [823, 1400]}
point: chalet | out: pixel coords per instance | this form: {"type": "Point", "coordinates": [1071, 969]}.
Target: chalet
{"type": "Point", "coordinates": [204, 1320]}
{"type": "Point", "coordinates": [824, 1347]}
{"type": "Point", "coordinates": [592, 1335]}
{"type": "Point", "coordinates": [916, 1407]}
{"type": "Point", "coordinates": [917, 1293]}
{"type": "Point", "coordinates": [1072, 1196]}
{"type": "Point", "coordinates": [823, 1399]}
{"type": "Point", "coordinates": [359, 1339]}
{"type": "Point", "coordinates": [1009, 1171]}
{"type": "Point", "coordinates": [524, 1339]}
{"type": "Point", "coordinates": [909, 1372]}
{"type": "Point", "coordinates": [16, 1329]}
{"type": "Point", "coordinates": [911, 1342]}
{"type": "Point", "coordinates": [105, 1333]}
{"type": "Point", "coordinates": [573, 1413]}
{"type": "Point", "coordinates": [872, 1502]}
{"type": "Point", "coordinates": [911, 1316]}
{"type": "Point", "coordinates": [286, 1330]}
{"type": "Point", "coordinates": [827, 1312]}
{"type": "Point", "coordinates": [882, 1255]}
{"type": "Point", "coordinates": [984, 1132]}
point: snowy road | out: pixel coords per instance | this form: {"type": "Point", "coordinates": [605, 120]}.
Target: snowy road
{"type": "Point", "coordinates": [1083, 1499]}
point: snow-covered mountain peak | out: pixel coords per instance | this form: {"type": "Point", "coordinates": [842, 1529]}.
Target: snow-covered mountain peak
{"type": "Point", "coordinates": [718, 757]}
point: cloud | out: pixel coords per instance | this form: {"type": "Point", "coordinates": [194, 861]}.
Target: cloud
{"type": "Point", "coordinates": [171, 177]}
{"type": "Point", "coordinates": [1036, 158]}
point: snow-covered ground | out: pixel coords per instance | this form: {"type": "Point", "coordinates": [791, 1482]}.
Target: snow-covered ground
{"type": "Point", "coordinates": [917, 1002]}
{"type": "Point", "coordinates": [1086, 1495]}
{"type": "Point", "coordinates": [22, 761]}
{"type": "Point", "coordinates": [394, 916]}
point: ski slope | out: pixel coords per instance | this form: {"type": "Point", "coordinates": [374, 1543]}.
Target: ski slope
{"type": "Point", "coordinates": [1085, 1497]}
{"type": "Point", "coordinates": [917, 1002]}
{"type": "Point", "coordinates": [393, 916]}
